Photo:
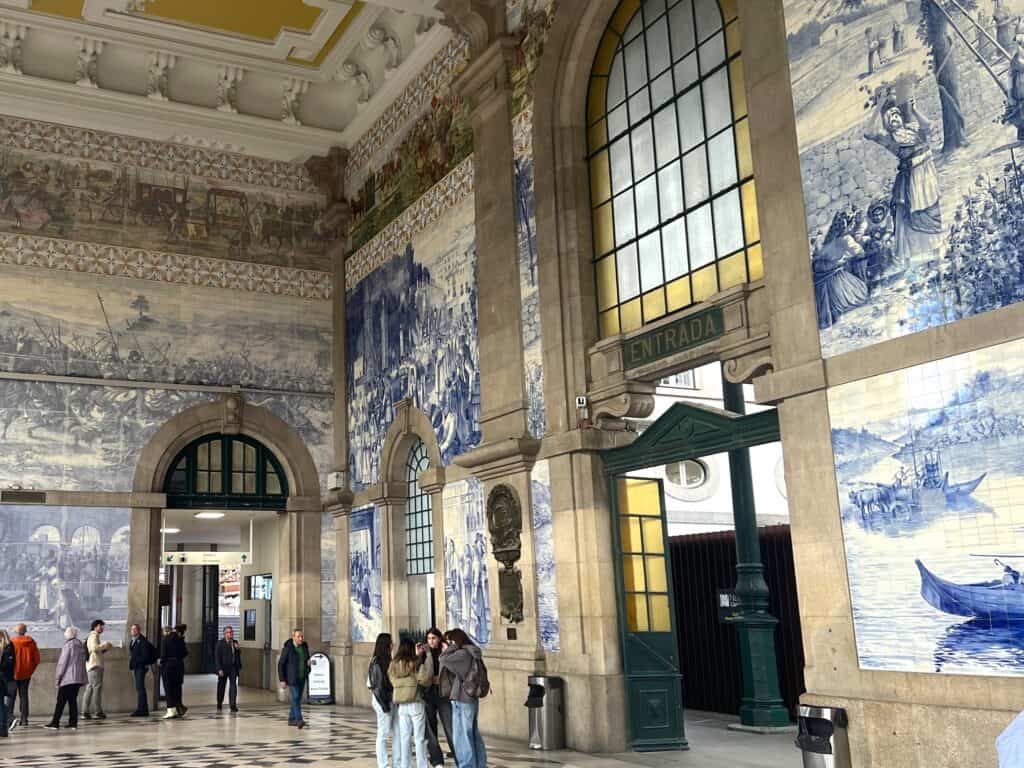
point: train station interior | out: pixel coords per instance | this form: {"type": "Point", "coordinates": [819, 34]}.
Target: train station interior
{"type": "Point", "coordinates": [672, 350]}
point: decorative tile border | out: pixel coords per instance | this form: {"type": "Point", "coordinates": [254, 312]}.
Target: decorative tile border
{"type": "Point", "coordinates": [430, 206]}
{"type": "Point", "coordinates": [438, 74]}
{"type": "Point", "coordinates": [522, 132]}
{"type": "Point", "coordinates": [140, 264]}
{"type": "Point", "coordinates": [205, 162]}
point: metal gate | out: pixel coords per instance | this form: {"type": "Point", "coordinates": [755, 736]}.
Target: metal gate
{"type": "Point", "coordinates": [704, 574]}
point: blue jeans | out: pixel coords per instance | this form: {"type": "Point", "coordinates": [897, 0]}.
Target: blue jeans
{"type": "Point", "coordinates": [469, 747]}
{"type": "Point", "coordinates": [295, 713]}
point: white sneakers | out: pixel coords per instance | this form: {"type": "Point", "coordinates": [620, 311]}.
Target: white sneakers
{"type": "Point", "coordinates": [171, 714]}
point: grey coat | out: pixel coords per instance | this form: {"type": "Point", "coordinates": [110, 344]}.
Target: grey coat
{"type": "Point", "coordinates": [458, 661]}
{"type": "Point", "coordinates": [71, 664]}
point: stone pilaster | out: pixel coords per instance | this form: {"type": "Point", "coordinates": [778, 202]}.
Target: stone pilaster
{"type": "Point", "coordinates": [144, 570]}
{"type": "Point", "coordinates": [389, 499]}
{"type": "Point", "coordinates": [340, 507]}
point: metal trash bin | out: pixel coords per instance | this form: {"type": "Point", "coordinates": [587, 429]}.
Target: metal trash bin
{"type": "Point", "coordinates": [546, 702]}
{"type": "Point", "coordinates": [822, 737]}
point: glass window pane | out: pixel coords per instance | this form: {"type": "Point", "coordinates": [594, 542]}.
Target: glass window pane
{"type": "Point", "coordinates": [622, 177]}
{"type": "Point", "coordinates": [636, 26]}
{"type": "Point", "coordinates": [617, 121]}
{"type": "Point", "coordinates": [625, 224]}
{"type": "Point", "coordinates": [700, 237]}
{"type": "Point", "coordinates": [643, 150]}
{"type": "Point", "coordinates": [712, 53]}
{"type": "Point", "coordinates": [604, 236]}
{"type": "Point", "coordinates": [203, 456]}
{"type": "Point", "coordinates": [636, 613]}
{"type": "Point", "coordinates": [652, 8]}
{"type": "Point", "coordinates": [633, 573]}
{"type": "Point", "coordinates": [616, 83]}
{"type": "Point", "coordinates": [650, 262]}
{"type": "Point", "coordinates": [236, 482]}
{"type": "Point", "coordinates": [662, 90]}
{"type": "Point", "coordinates": [680, 21]}
{"type": "Point", "coordinates": [654, 304]}
{"type": "Point", "coordinates": [250, 482]}
{"type": "Point", "coordinates": [647, 205]}
{"type": "Point", "coordinates": [670, 191]}
{"type": "Point", "coordinates": [636, 65]}
{"type": "Point", "coordinates": [236, 455]}
{"type": "Point", "coordinates": [654, 536]}
{"type": "Point", "coordinates": [656, 578]}
{"type": "Point", "coordinates": [215, 486]}
{"type": "Point", "coordinates": [705, 282]}
{"type": "Point", "coordinates": [673, 243]}
{"type": "Point", "coordinates": [250, 457]}
{"type": "Point", "coordinates": [717, 109]}
{"type": "Point", "coordinates": [273, 482]}
{"type": "Point", "coordinates": [709, 17]}
{"type": "Point", "coordinates": [639, 106]}
{"type": "Point", "coordinates": [728, 223]}
{"type": "Point", "coordinates": [722, 158]}
{"type": "Point", "coordinates": [658, 55]}
{"type": "Point", "coordinates": [750, 221]}
{"type": "Point", "coordinates": [691, 126]}
{"type": "Point", "coordinates": [742, 130]}
{"type": "Point", "coordinates": [216, 454]}
{"type": "Point", "coordinates": [638, 496]}
{"type": "Point", "coordinates": [686, 73]}
{"type": "Point", "coordinates": [202, 483]}
{"type": "Point", "coordinates": [629, 315]}
{"type": "Point", "coordinates": [733, 270]}
{"type": "Point", "coordinates": [677, 294]}
{"type": "Point", "coordinates": [666, 136]}
{"type": "Point", "coordinates": [629, 279]}
{"type": "Point", "coordinates": [660, 619]}
{"type": "Point", "coordinates": [695, 177]}
{"type": "Point", "coordinates": [609, 323]}
{"type": "Point", "coordinates": [600, 181]}
{"type": "Point", "coordinates": [607, 290]}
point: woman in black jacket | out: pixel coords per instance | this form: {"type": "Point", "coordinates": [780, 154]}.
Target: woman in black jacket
{"type": "Point", "coordinates": [6, 678]}
{"type": "Point", "coordinates": [172, 664]}
{"type": "Point", "coordinates": [379, 683]}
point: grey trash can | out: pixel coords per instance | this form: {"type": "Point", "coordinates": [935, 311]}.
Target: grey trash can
{"type": "Point", "coordinates": [822, 738]}
{"type": "Point", "coordinates": [546, 702]}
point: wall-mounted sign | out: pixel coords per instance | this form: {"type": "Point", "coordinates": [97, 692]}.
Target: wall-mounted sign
{"type": "Point", "coordinates": [727, 604]}
{"type": "Point", "coordinates": [320, 680]}
{"type": "Point", "coordinates": [224, 559]}
{"type": "Point", "coordinates": [677, 336]}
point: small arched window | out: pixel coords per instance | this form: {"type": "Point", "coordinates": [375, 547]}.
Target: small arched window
{"type": "Point", "coordinates": [671, 177]}
{"type": "Point", "coordinates": [419, 526]}
{"type": "Point", "coordinates": [231, 471]}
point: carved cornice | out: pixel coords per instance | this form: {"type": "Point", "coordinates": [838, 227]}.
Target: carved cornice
{"type": "Point", "coordinates": [478, 21]}
{"type": "Point", "coordinates": [488, 77]}
{"type": "Point", "coordinates": [500, 458]}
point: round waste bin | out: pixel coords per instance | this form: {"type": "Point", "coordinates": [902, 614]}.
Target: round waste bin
{"type": "Point", "coordinates": [822, 738]}
{"type": "Point", "coordinates": [546, 702]}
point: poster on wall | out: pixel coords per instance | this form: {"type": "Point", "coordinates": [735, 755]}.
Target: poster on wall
{"type": "Point", "coordinates": [930, 470]}
{"type": "Point", "coordinates": [63, 567]}
{"type": "Point", "coordinates": [466, 545]}
{"type": "Point", "coordinates": [910, 120]}
{"type": "Point", "coordinates": [364, 552]}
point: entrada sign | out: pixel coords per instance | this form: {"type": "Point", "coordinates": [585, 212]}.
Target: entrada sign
{"type": "Point", "coordinates": [685, 333]}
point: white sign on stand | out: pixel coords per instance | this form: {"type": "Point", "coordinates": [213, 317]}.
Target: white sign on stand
{"type": "Point", "coordinates": [320, 680]}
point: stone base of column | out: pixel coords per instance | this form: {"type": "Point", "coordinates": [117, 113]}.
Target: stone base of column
{"type": "Point", "coordinates": [341, 669]}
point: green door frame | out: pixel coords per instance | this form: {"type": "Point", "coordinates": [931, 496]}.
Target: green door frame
{"type": "Point", "coordinates": [684, 431]}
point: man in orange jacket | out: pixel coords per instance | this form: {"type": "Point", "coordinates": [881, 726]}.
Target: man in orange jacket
{"type": "Point", "coordinates": [26, 659]}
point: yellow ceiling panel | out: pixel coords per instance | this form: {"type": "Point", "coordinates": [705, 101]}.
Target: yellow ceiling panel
{"type": "Point", "coordinates": [70, 9]}
{"type": "Point", "coordinates": [262, 19]}
{"type": "Point", "coordinates": [333, 39]}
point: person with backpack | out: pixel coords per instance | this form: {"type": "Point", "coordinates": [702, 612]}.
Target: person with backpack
{"type": "Point", "coordinates": [6, 678]}
{"type": "Point", "coordinates": [382, 697]}
{"type": "Point", "coordinates": [142, 655]}
{"type": "Point", "coordinates": [464, 678]}
{"type": "Point", "coordinates": [26, 659]}
{"type": "Point", "coordinates": [411, 669]}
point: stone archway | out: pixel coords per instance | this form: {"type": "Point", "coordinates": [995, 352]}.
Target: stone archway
{"type": "Point", "coordinates": [297, 587]}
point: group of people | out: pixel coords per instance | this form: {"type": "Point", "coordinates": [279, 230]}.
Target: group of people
{"type": "Point", "coordinates": [882, 46]}
{"type": "Point", "coordinates": [421, 685]}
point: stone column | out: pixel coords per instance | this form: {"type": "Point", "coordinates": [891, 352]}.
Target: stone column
{"type": "Point", "coordinates": [297, 591]}
{"type": "Point", "coordinates": [389, 499]}
{"type": "Point", "coordinates": [144, 570]}
{"type": "Point", "coordinates": [340, 507]}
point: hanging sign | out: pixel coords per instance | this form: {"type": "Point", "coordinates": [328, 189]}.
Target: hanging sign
{"type": "Point", "coordinates": [223, 559]}
{"type": "Point", "coordinates": [320, 679]}
{"type": "Point", "coordinates": [682, 334]}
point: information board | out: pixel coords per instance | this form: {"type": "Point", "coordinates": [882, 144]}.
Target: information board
{"type": "Point", "coordinates": [320, 680]}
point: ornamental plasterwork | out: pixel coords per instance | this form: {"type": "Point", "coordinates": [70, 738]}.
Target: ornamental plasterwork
{"type": "Point", "coordinates": [205, 162]}
{"type": "Point", "coordinates": [201, 271]}
{"type": "Point", "coordinates": [430, 206]}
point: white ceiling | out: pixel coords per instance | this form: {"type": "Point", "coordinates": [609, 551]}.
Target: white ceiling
{"type": "Point", "coordinates": [225, 532]}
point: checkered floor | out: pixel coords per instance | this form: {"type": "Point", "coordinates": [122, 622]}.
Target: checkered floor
{"type": "Point", "coordinates": [255, 737]}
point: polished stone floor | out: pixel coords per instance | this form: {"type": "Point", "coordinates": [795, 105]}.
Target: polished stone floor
{"type": "Point", "coordinates": [259, 737]}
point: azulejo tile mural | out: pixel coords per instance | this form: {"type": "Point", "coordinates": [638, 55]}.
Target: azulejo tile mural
{"type": "Point", "coordinates": [63, 567]}
{"type": "Point", "coordinates": [466, 561]}
{"type": "Point", "coordinates": [328, 578]}
{"type": "Point", "coordinates": [412, 333]}
{"type": "Point", "coordinates": [544, 556]}
{"type": "Point", "coordinates": [365, 574]}
{"type": "Point", "coordinates": [930, 474]}
{"type": "Point", "coordinates": [909, 120]}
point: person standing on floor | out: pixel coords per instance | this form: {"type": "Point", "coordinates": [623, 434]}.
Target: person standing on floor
{"type": "Point", "coordinates": [26, 659]}
{"type": "Point", "coordinates": [411, 668]}
{"type": "Point", "coordinates": [141, 656]}
{"type": "Point", "coordinates": [229, 664]}
{"type": "Point", "coordinates": [172, 665]}
{"type": "Point", "coordinates": [93, 701]}
{"type": "Point", "coordinates": [382, 697]}
{"type": "Point", "coordinates": [6, 679]}
{"type": "Point", "coordinates": [463, 668]}
{"type": "Point", "coordinates": [181, 629]}
{"type": "Point", "coordinates": [437, 707]}
{"type": "Point", "coordinates": [292, 671]}
{"type": "Point", "coordinates": [71, 676]}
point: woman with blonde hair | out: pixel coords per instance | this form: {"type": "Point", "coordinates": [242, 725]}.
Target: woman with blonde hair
{"type": "Point", "coordinates": [6, 678]}
{"type": "Point", "coordinates": [71, 677]}
{"type": "Point", "coordinates": [411, 670]}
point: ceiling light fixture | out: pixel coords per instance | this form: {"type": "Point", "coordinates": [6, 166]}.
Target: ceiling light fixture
{"type": "Point", "coordinates": [170, 530]}
{"type": "Point", "coordinates": [208, 515]}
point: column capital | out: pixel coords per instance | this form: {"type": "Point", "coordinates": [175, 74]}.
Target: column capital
{"type": "Point", "coordinates": [385, 494]}
{"type": "Point", "coordinates": [501, 458]}
{"type": "Point", "coordinates": [488, 76]}
{"type": "Point", "coordinates": [432, 480]}
{"type": "Point", "coordinates": [478, 21]}
{"type": "Point", "coordinates": [338, 503]}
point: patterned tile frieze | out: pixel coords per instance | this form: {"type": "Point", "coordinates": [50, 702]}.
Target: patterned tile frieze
{"type": "Point", "coordinates": [205, 162]}
{"type": "Point", "coordinates": [437, 75]}
{"type": "Point", "coordinates": [141, 264]}
{"type": "Point", "coordinates": [427, 209]}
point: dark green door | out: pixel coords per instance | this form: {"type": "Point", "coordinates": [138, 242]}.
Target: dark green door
{"type": "Point", "coordinates": [649, 651]}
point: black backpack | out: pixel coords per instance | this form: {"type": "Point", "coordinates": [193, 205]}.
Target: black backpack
{"type": "Point", "coordinates": [7, 664]}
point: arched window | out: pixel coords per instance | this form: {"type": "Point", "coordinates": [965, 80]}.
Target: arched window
{"type": "Point", "coordinates": [230, 471]}
{"type": "Point", "coordinates": [419, 527]}
{"type": "Point", "coordinates": [671, 178]}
